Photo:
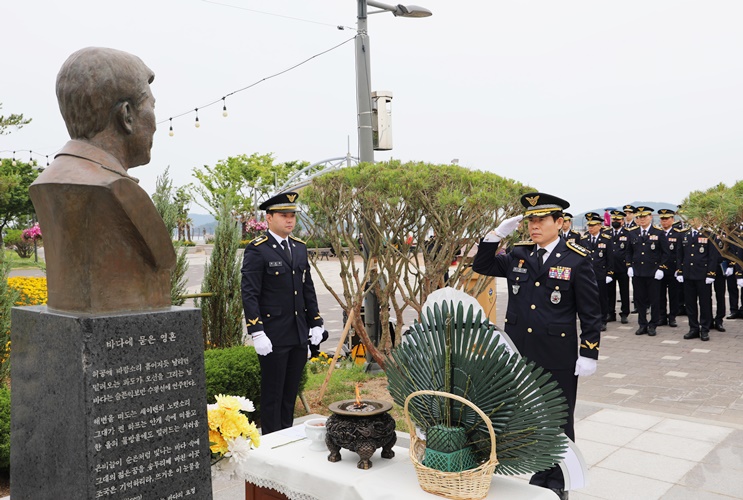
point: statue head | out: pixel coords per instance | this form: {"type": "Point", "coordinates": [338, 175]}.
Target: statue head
{"type": "Point", "coordinates": [105, 98]}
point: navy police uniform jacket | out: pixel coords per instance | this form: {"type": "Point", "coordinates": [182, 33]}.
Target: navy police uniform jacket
{"type": "Point", "coordinates": [649, 253]}
{"type": "Point", "coordinates": [279, 295]}
{"type": "Point", "coordinates": [601, 255]}
{"type": "Point", "coordinates": [674, 238]}
{"type": "Point", "coordinates": [619, 247]}
{"type": "Point", "coordinates": [573, 236]}
{"type": "Point", "coordinates": [697, 257]}
{"type": "Point", "coordinates": [542, 304]}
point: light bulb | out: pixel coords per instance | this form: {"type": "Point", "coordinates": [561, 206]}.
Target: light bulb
{"type": "Point", "coordinates": [224, 108]}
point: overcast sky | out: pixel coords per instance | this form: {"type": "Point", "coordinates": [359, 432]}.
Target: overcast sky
{"type": "Point", "coordinates": [599, 102]}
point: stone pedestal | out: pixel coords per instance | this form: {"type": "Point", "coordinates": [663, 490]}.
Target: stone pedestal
{"type": "Point", "coordinates": [108, 406]}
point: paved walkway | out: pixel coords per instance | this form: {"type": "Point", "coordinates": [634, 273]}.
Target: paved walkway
{"type": "Point", "coordinates": [661, 419]}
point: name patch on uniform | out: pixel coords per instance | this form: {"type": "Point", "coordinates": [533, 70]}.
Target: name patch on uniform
{"type": "Point", "coordinates": [560, 273]}
{"type": "Point", "coordinates": [276, 264]}
{"type": "Point", "coordinates": [520, 270]}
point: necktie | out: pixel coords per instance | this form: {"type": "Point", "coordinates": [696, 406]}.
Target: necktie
{"type": "Point", "coordinates": [593, 241]}
{"type": "Point", "coordinates": [694, 233]}
{"type": "Point", "coordinates": [286, 250]}
{"type": "Point", "coordinates": [644, 233]}
{"type": "Point", "coordinates": [540, 254]}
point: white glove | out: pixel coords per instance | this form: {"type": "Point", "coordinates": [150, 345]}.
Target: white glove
{"type": "Point", "coordinates": [739, 281]}
{"type": "Point", "coordinates": [709, 281]}
{"type": "Point", "coordinates": [262, 343]}
{"type": "Point", "coordinates": [729, 271]}
{"type": "Point", "coordinates": [609, 279]}
{"type": "Point", "coordinates": [585, 366]}
{"type": "Point", "coordinates": [630, 272]}
{"type": "Point", "coordinates": [316, 335]}
{"type": "Point", "coordinates": [680, 279]}
{"type": "Point", "coordinates": [659, 274]}
{"type": "Point", "coordinates": [508, 226]}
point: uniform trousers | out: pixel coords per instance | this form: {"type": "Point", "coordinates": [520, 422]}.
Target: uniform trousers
{"type": "Point", "coordinates": [603, 293]}
{"type": "Point", "coordinates": [647, 295]}
{"type": "Point", "coordinates": [622, 280]}
{"type": "Point", "coordinates": [281, 372]}
{"type": "Point", "coordinates": [568, 382]}
{"type": "Point", "coordinates": [698, 298]}
{"type": "Point", "coordinates": [669, 296]}
{"type": "Point", "coordinates": [733, 294]}
{"type": "Point", "coordinates": [720, 296]}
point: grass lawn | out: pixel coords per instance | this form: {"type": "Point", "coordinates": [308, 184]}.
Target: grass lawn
{"type": "Point", "coordinates": [17, 262]}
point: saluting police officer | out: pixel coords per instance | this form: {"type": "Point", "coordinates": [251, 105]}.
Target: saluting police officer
{"type": "Point", "coordinates": [647, 258]}
{"type": "Point", "coordinates": [620, 242]}
{"type": "Point", "coordinates": [697, 268]}
{"type": "Point", "coordinates": [567, 232]}
{"type": "Point", "coordinates": [602, 259]}
{"type": "Point", "coordinates": [281, 309]}
{"type": "Point", "coordinates": [550, 282]}
{"type": "Point", "coordinates": [669, 287]}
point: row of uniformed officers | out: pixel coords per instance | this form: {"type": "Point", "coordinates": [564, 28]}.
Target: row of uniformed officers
{"type": "Point", "coordinates": [672, 269]}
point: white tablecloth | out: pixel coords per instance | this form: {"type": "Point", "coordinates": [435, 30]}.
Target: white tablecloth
{"type": "Point", "coordinates": [302, 474]}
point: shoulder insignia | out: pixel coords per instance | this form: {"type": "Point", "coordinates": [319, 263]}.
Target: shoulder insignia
{"type": "Point", "coordinates": [523, 243]}
{"type": "Point", "coordinates": [607, 236]}
{"type": "Point", "coordinates": [633, 228]}
{"type": "Point", "coordinates": [657, 227]}
{"type": "Point", "coordinates": [260, 239]}
{"type": "Point", "coordinates": [297, 239]}
{"type": "Point", "coordinates": [577, 248]}
{"type": "Point", "coordinates": [682, 230]}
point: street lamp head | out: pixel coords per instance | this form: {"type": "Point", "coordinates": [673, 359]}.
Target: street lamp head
{"type": "Point", "coordinates": [411, 11]}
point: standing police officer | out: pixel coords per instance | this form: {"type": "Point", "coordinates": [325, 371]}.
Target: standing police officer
{"type": "Point", "coordinates": [697, 262]}
{"type": "Point", "coordinates": [550, 282]}
{"type": "Point", "coordinates": [669, 287]}
{"type": "Point", "coordinates": [620, 242]}
{"type": "Point", "coordinates": [567, 232]}
{"type": "Point", "coordinates": [647, 258]}
{"type": "Point", "coordinates": [281, 310]}
{"type": "Point", "coordinates": [629, 216]}
{"type": "Point", "coordinates": [602, 260]}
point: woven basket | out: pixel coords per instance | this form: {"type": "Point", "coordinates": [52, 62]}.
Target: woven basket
{"type": "Point", "coordinates": [472, 484]}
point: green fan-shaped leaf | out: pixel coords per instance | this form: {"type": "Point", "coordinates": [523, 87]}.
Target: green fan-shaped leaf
{"type": "Point", "coordinates": [523, 402]}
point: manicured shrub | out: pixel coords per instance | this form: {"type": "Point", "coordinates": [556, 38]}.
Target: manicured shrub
{"type": "Point", "coordinates": [4, 428]}
{"type": "Point", "coordinates": [235, 371]}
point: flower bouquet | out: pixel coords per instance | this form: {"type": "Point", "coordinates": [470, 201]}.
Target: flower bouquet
{"type": "Point", "coordinates": [231, 435]}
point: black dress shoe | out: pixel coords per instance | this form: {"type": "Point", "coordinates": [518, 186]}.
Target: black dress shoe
{"type": "Point", "coordinates": [624, 319]}
{"type": "Point", "coordinates": [672, 322]}
{"type": "Point", "coordinates": [642, 330]}
{"type": "Point", "coordinates": [651, 331]}
{"type": "Point", "coordinates": [633, 311]}
{"type": "Point", "coordinates": [561, 494]}
{"type": "Point", "coordinates": [693, 334]}
{"type": "Point", "coordinates": [603, 327]}
{"type": "Point", "coordinates": [718, 326]}
{"type": "Point", "coordinates": [663, 322]}
{"type": "Point", "coordinates": [611, 317]}
{"type": "Point", "coordinates": [682, 311]}
{"type": "Point", "coordinates": [704, 335]}
{"type": "Point", "coordinates": [733, 315]}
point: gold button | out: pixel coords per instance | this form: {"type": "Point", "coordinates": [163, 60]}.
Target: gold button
{"type": "Point", "coordinates": [528, 330]}
{"type": "Point", "coordinates": [277, 273]}
{"type": "Point", "coordinates": [294, 272]}
{"type": "Point", "coordinates": [295, 292]}
{"type": "Point", "coordinates": [536, 284]}
{"type": "Point", "coordinates": [268, 315]}
{"type": "Point", "coordinates": [557, 288]}
{"type": "Point", "coordinates": [295, 313]}
{"type": "Point", "coordinates": [533, 306]}
{"type": "Point", "coordinates": [562, 334]}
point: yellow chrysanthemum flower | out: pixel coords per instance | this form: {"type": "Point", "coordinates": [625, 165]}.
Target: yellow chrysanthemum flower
{"type": "Point", "coordinates": [229, 403]}
{"type": "Point", "coordinates": [219, 445]}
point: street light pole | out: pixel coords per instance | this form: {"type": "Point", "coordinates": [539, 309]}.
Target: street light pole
{"type": "Point", "coordinates": [364, 108]}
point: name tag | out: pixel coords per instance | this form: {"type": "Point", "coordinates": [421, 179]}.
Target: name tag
{"type": "Point", "coordinates": [519, 270]}
{"type": "Point", "coordinates": [276, 264]}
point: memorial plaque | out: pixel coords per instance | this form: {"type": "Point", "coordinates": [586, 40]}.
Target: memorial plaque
{"type": "Point", "coordinates": [109, 407]}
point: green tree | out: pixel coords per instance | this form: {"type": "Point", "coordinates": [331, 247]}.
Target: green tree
{"type": "Point", "coordinates": [249, 178]}
{"type": "Point", "coordinates": [391, 204]}
{"type": "Point", "coordinates": [182, 201]}
{"type": "Point", "coordinates": [13, 120]}
{"type": "Point", "coordinates": [719, 209]}
{"type": "Point", "coordinates": [15, 203]}
{"type": "Point", "coordinates": [222, 312]}
{"type": "Point", "coordinates": [166, 205]}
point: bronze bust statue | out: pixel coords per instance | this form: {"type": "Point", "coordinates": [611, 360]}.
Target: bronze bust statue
{"type": "Point", "coordinates": [107, 249]}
